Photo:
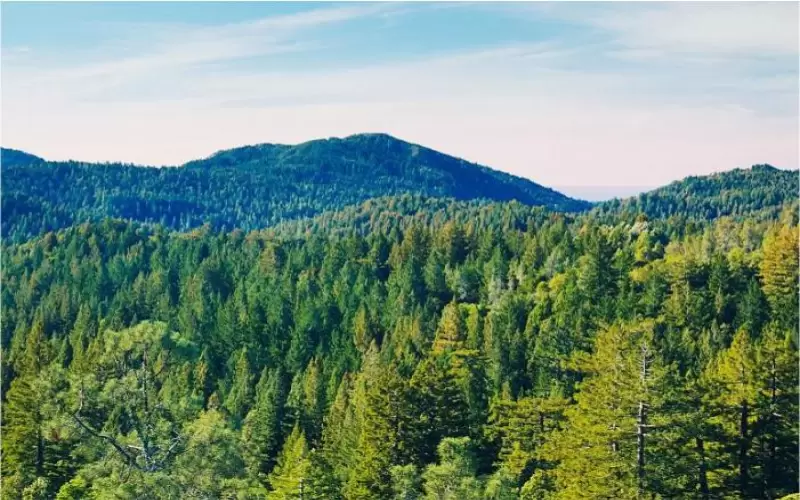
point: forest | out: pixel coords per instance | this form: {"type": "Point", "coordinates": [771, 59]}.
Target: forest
{"type": "Point", "coordinates": [410, 346]}
{"type": "Point", "coordinates": [249, 187]}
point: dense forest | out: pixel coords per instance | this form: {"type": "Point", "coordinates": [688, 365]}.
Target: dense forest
{"type": "Point", "coordinates": [406, 347]}
{"type": "Point", "coordinates": [248, 188]}
{"type": "Point", "coordinates": [757, 192]}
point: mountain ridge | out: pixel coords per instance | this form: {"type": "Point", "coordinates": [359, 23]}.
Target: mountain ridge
{"type": "Point", "coordinates": [250, 187]}
{"type": "Point", "coordinates": [736, 192]}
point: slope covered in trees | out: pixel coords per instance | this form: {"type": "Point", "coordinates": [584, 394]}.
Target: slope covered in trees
{"type": "Point", "coordinates": [400, 212]}
{"type": "Point", "coordinates": [759, 191]}
{"type": "Point", "coordinates": [552, 357]}
{"type": "Point", "coordinates": [250, 187]}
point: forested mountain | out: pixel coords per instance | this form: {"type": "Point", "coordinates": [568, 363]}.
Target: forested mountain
{"type": "Point", "coordinates": [364, 318]}
{"type": "Point", "coordinates": [513, 354]}
{"type": "Point", "coordinates": [250, 187]}
{"type": "Point", "coordinates": [13, 157]}
{"type": "Point", "coordinates": [760, 191]}
{"type": "Point", "coordinates": [266, 185]}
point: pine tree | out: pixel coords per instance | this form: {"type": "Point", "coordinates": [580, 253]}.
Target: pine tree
{"type": "Point", "coordinates": [604, 450]}
{"type": "Point", "coordinates": [439, 403]}
{"type": "Point", "coordinates": [313, 401]}
{"type": "Point", "coordinates": [731, 395]}
{"type": "Point", "coordinates": [776, 430]}
{"type": "Point", "coordinates": [341, 430]}
{"type": "Point", "coordinates": [240, 394]}
{"type": "Point", "coordinates": [262, 431]}
{"type": "Point", "coordinates": [454, 477]}
{"type": "Point", "coordinates": [387, 435]}
{"type": "Point", "coordinates": [451, 333]}
{"type": "Point", "coordinates": [25, 416]}
{"type": "Point", "coordinates": [287, 480]}
{"type": "Point", "coordinates": [779, 274]}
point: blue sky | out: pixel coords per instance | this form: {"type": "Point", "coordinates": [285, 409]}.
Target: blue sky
{"type": "Point", "coordinates": [567, 94]}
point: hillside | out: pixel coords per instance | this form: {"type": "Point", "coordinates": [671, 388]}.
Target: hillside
{"type": "Point", "coordinates": [250, 187]}
{"type": "Point", "coordinates": [478, 355]}
{"type": "Point", "coordinates": [401, 212]}
{"type": "Point", "coordinates": [760, 191]}
{"type": "Point", "coordinates": [14, 157]}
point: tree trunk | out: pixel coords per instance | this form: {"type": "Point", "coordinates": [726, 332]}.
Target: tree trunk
{"type": "Point", "coordinates": [771, 420]}
{"type": "Point", "coordinates": [701, 451]}
{"type": "Point", "coordinates": [743, 468]}
{"type": "Point", "coordinates": [39, 451]}
{"type": "Point", "coordinates": [640, 429]}
{"type": "Point", "coordinates": [641, 423]}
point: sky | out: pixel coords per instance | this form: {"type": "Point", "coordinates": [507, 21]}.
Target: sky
{"type": "Point", "coordinates": [586, 97]}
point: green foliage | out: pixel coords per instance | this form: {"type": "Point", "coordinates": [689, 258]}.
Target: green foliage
{"type": "Point", "coordinates": [758, 191]}
{"type": "Point", "coordinates": [249, 187]}
{"type": "Point", "coordinates": [288, 479]}
{"type": "Point", "coordinates": [427, 349]}
{"type": "Point", "coordinates": [454, 476]}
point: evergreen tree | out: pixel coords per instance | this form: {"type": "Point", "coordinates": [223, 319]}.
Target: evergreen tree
{"type": "Point", "coordinates": [288, 479]}
{"type": "Point", "coordinates": [262, 428]}
{"type": "Point", "coordinates": [779, 273]}
{"type": "Point", "coordinates": [732, 391]}
{"type": "Point", "coordinates": [454, 477]}
{"type": "Point", "coordinates": [240, 394]}
{"type": "Point", "coordinates": [605, 448]}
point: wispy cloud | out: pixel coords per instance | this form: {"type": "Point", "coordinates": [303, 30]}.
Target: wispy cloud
{"type": "Point", "coordinates": [752, 28]}
{"type": "Point", "coordinates": [715, 28]}
{"type": "Point", "coordinates": [176, 48]}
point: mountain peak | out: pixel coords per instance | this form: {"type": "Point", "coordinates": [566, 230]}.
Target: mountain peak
{"type": "Point", "coordinates": [13, 157]}
{"type": "Point", "coordinates": [257, 186]}
{"type": "Point", "coordinates": [373, 135]}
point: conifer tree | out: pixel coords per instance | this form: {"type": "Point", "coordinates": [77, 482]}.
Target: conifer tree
{"type": "Point", "coordinates": [732, 391]}
{"type": "Point", "coordinates": [776, 429]}
{"type": "Point", "coordinates": [604, 449]}
{"type": "Point", "coordinates": [779, 274]}
{"type": "Point", "coordinates": [240, 394]}
{"type": "Point", "coordinates": [287, 480]}
{"type": "Point", "coordinates": [454, 477]}
{"type": "Point", "coordinates": [262, 428]}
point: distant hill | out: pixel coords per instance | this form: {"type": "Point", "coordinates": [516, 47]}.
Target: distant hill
{"type": "Point", "coordinates": [249, 187]}
{"type": "Point", "coordinates": [760, 191]}
{"type": "Point", "coordinates": [14, 157]}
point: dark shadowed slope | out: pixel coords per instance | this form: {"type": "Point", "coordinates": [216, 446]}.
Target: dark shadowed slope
{"type": "Point", "coordinates": [14, 157]}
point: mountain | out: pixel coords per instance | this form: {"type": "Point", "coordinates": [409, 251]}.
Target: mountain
{"type": "Point", "coordinates": [13, 157]}
{"type": "Point", "coordinates": [396, 347]}
{"type": "Point", "coordinates": [759, 191]}
{"type": "Point", "coordinates": [249, 187]}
